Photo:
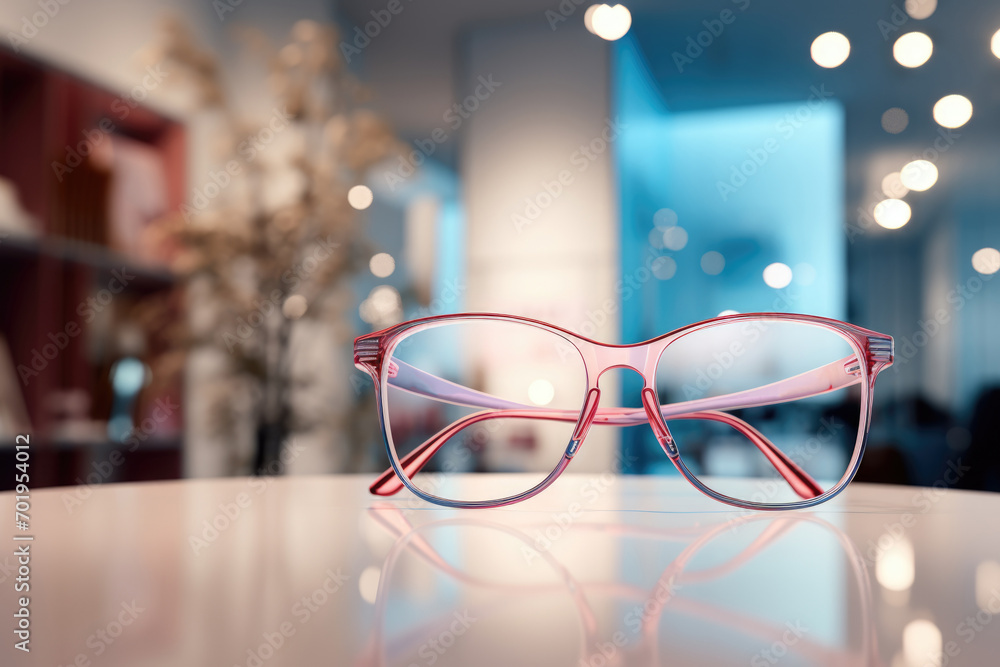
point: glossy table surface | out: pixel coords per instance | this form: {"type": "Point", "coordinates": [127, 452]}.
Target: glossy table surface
{"type": "Point", "coordinates": [595, 571]}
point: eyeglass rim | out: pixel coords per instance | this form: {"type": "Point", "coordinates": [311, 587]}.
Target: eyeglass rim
{"type": "Point", "coordinates": [371, 350]}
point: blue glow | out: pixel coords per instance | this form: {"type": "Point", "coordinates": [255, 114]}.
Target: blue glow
{"type": "Point", "coordinates": [449, 272]}
{"type": "Point", "coordinates": [758, 184]}
{"type": "Point", "coordinates": [128, 376]}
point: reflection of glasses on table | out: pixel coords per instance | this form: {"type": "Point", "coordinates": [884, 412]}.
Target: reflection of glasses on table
{"type": "Point", "coordinates": [797, 387]}
{"type": "Point", "coordinates": [675, 576]}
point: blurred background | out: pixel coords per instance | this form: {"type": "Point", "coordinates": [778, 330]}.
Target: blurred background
{"type": "Point", "coordinates": [201, 204]}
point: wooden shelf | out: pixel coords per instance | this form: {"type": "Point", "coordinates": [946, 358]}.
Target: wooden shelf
{"type": "Point", "coordinates": [87, 255]}
{"type": "Point", "coordinates": [46, 114]}
{"type": "Point", "coordinates": [155, 459]}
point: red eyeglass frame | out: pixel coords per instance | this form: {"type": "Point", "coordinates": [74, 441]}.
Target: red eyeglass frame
{"type": "Point", "coordinates": [875, 350]}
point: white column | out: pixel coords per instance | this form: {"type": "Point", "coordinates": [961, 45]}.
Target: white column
{"type": "Point", "coordinates": [536, 167]}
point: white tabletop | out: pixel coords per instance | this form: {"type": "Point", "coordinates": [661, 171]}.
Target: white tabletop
{"type": "Point", "coordinates": [595, 571]}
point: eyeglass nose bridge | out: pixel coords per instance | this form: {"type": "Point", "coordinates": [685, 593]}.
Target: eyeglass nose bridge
{"type": "Point", "coordinates": [641, 359]}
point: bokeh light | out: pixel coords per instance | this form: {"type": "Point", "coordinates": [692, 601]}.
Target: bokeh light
{"type": "Point", "coordinates": [368, 583]}
{"type": "Point", "coordinates": [986, 261]}
{"type": "Point", "coordinates": [383, 307]}
{"type": "Point", "coordinates": [675, 238]}
{"type": "Point", "coordinates": [778, 275]}
{"type": "Point", "coordinates": [895, 120]}
{"type": "Point", "coordinates": [588, 18]}
{"type": "Point", "coordinates": [892, 186]}
{"type": "Point", "coordinates": [918, 175]}
{"type": "Point", "coordinates": [920, 9]}
{"type": "Point", "coordinates": [382, 265]}
{"type": "Point", "coordinates": [541, 392]}
{"type": "Point", "coordinates": [664, 218]}
{"type": "Point", "coordinates": [921, 643]}
{"type": "Point", "coordinates": [360, 197]}
{"type": "Point", "coordinates": [995, 44]}
{"type": "Point", "coordinates": [713, 263]}
{"type": "Point", "coordinates": [664, 268]}
{"type": "Point", "coordinates": [892, 213]}
{"type": "Point", "coordinates": [953, 111]}
{"type": "Point", "coordinates": [988, 585]}
{"type": "Point", "coordinates": [294, 307]}
{"type": "Point", "coordinates": [830, 49]}
{"type": "Point", "coordinates": [913, 49]}
{"type": "Point", "coordinates": [894, 566]}
{"type": "Point", "coordinates": [611, 23]}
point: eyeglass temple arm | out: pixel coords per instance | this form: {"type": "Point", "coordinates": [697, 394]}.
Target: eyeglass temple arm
{"type": "Point", "coordinates": [830, 377]}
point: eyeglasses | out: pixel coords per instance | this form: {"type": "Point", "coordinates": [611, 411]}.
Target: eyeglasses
{"type": "Point", "coordinates": [760, 411]}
